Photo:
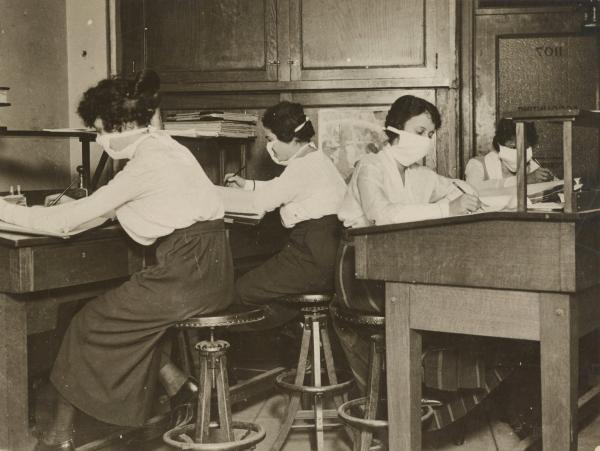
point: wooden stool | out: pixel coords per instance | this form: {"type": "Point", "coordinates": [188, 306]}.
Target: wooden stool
{"type": "Point", "coordinates": [315, 308]}
{"type": "Point", "coordinates": [213, 376]}
{"type": "Point", "coordinates": [368, 423]}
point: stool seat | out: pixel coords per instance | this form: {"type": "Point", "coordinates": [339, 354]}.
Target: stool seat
{"type": "Point", "coordinates": [308, 299]}
{"type": "Point", "coordinates": [234, 315]}
{"type": "Point", "coordinates": [357, 317]}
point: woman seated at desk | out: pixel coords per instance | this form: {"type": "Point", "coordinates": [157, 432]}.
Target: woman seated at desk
{"type": "Point", "coordinates": [392, 187]}
{"type": "Point", "coordinates": [109, 362]}
{"type": "Point", "coordinates": [308, 194]}
{"type": "Point", "coordinates": [497, 168]}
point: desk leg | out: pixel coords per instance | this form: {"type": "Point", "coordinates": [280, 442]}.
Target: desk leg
{"type": "Point", "coordinates": [14, 421]}
{"type": "Point", "coordinates": [559, 367]}
{"type": "Point", "coordinates": [403, 368]}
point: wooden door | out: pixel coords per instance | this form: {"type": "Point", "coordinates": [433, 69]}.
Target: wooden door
{"type": "Point", "coordinates": [211, 40]}
{"type": "Point", "coordinates": [383, 39]}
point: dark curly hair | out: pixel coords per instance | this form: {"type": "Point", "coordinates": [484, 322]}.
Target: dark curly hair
{"type": "Point", "coordinates": [282, 119]}
{"type": "Point", "coordinates": [117, 101]}
{"type": "Point", "coordinates": [406, 107]}
{"type": "Point", "coordinates": [507, 130]}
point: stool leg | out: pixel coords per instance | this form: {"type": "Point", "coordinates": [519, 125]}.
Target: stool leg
{"type": "Point", "coordinates": [294, 401]}
{"type": "Point", "coordinates": [225, 425]}
{"type": "Point", "coordinates": [331, 374]}
{"type": "Point", "coordinates": [205, 393]}
{"type": "Point", "coordinates": [318, 399]}
{"type": "Point", "coordinates": [373, 384]}
{"type": "Point", "coordinates": [329, 363]}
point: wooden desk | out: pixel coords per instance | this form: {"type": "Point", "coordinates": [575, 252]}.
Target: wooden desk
{"type": "Point", "coordinates": [41, 273]}
{"type": "Point", "coordinates": [530, 276]}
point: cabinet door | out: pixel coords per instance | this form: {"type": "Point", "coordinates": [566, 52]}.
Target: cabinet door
{"type": "Point", "coordinates": [211, 40]}
{"type": "Point", "coordinates": [376, 39]}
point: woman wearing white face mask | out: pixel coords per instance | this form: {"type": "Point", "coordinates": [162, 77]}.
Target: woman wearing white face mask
{"type": "Point", "coordinates": [112, 355]}
{"type": "Point", "coordinates": [308, 194]}
{"type": "Point", "coordinates": [392, 187]}
{"type": "Point", "coordinates": [497, 168]}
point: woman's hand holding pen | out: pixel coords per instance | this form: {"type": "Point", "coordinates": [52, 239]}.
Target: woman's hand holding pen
{"type": "Point", "coordinates": [234, 181]}
{"type": "Point", "coordinates": [540, 175]}
{"type": "Point", "coordinates": [466, 203]}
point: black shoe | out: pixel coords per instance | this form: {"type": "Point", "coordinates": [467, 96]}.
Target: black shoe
{"type": "Point", "coordinates": [62, 446]}
{"type": "Point", "coordinates": [184, 403]}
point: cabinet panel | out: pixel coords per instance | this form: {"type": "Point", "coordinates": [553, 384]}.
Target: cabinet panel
{"type": "Point", "coordinates": [212, 40]}
{"type": "Point", "coordinates": [355, 33]}
{"type": "Point", "coordinates": [353, 39]}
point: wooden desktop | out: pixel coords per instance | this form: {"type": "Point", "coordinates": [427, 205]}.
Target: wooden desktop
{"type": "Point", "coordinates": [529, 276]}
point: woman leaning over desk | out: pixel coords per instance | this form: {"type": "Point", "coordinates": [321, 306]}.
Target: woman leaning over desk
{"type": "Point", "coordinates": [497, 168]}
{"type": "Point", "coordinates": [109, 361]}
{"type": "Point", "coordinates": [308, 194]}
{"type": "Point", "coordinates": [388, 187]}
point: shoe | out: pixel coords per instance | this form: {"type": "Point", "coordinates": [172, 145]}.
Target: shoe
{"type": "Point", "coordinates": [67, 445]}
{"type": "Point", "coordinates": [183, 404]}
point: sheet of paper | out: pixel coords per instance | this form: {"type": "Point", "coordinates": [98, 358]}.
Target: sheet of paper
{"type": "Point", "coordinates": [7, 227]}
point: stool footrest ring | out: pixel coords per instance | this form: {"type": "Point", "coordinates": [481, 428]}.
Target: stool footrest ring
{"type": "Point", "coordinates": [179, 437]}
{"type": "Point", "coordinates": [356, 422]}
{"type": "Point", "coordinates": [324, 389]}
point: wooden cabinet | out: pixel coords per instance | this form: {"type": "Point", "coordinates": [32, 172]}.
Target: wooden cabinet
{"type": "Point", "coordinates": [385, 39]}
{"type": "Point", "coordinates": [278, 44]}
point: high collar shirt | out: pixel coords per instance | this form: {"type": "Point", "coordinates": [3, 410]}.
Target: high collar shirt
{"type": "Point", "coordinates": [310, 187]}
{"type": "Point", "coordinates": [377, 195]}
{"type": "Point", "coordinates": [162, 188]}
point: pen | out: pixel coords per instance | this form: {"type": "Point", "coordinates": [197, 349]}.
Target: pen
{"type": "Point", "coordinates": [238, 172]}
{"type": "Point", "coordinates": [459, 188]}
{"type": "Point", "coordinates": [56, 199]}
{"type": "Point", "coordinates": [481, 203]}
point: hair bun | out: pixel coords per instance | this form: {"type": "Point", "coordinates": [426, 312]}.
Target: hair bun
{"type": "Point", "coordinates": [146, 84]}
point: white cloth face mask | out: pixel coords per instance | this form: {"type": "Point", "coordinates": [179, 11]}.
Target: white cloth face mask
{"type": "Point", "coordinates": [283, 162]}
{"type": "Point", "coordinates": [107, 141]}
{"type": "Point", "coordinates": [508, 155]}
{"type": "Point", "coordinates": [410, 147]}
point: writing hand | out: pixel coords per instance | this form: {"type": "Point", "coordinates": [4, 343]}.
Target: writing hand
{"type": "Point", "coordinates": [540, 175]}
{"type": "Point", "coordinates": [464, 204]}
{"type": "Point", "coordinates": [234, 181]}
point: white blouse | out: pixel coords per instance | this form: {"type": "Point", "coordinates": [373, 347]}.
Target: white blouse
{"type": "Point", "coordinates": [162, 188]}
{"type": "Point", "coordinates": [376, 194]}
{"type": "Point", "coordinates": [497, 174]}
{"type": "Point", "coordinates": [310, 187]}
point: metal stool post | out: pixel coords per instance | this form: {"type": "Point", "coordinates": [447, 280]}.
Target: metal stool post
{"type": "Point", "coordinates": [314, 338]}
{"type": "Point", "coordinates": [213, 377]}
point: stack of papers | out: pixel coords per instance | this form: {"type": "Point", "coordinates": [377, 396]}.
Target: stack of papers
{"type": "Point", "coordinates": [211, 128]}
{"type": "Point", "coordinates": [212, 116]}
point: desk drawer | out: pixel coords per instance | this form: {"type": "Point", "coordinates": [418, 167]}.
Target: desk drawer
{"type": "Point", "coordinates": [70, 263]}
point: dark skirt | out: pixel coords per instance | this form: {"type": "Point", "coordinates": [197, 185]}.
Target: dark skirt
{"type": "Point", "coordinates": [458, 369]}
{"type": "Point", "coordinates": [109, 359]}
{"type": "Point", "coordinates": [305, 265]}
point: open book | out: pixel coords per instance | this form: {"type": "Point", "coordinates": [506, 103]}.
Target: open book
{"type": "Point", "coordinates": [239, 206]}
{"type": "Point", "coordinates": [7, 227]}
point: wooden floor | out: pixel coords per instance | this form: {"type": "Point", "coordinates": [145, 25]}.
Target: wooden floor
{"type": "Point", "coordinates": [481, 435]}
